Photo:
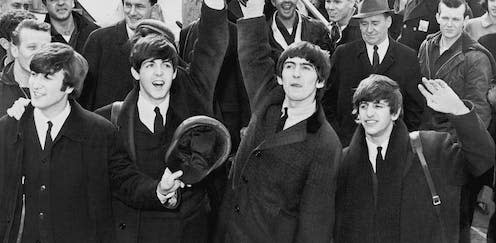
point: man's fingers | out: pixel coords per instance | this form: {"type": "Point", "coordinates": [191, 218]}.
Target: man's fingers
{"type": "Point", "coordinates": [177, 174]}
{"type": "Point", "coordinates": [441, 83]}
{"type": "Point", "coordinates": [424, 92]}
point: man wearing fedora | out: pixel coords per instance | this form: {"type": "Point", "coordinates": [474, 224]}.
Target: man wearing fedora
{"type": "Point", "coordinates": [375, 53]}
{"type": "Point", "coordinates": [164, 95]}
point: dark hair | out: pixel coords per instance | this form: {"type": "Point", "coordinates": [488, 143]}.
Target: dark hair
{"type": "Point", "coordinates": [310, 52]}
{"type": "Point", "coordinates": [58, 56]}
{"type": "Point", "coordinates": [376, 88]}
{"type": "Point", "coordinates": [152, 47]}
{"type": "Point", "coordinates": [29, 24]}
{"type": "Point", "coordinates": [152, 2]}
{"type": "Point", "coordinates": [10, 20]}
{"type": "Point", "coordinates": [455, 4]}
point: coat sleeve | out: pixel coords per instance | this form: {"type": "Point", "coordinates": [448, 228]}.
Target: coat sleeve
{"type": "Point", "coordinates": [468, 155]}
{"type": "Point", "coordinates": [316, 218]}
{"type": "Point", "coordinates": [92, 52]}
{"type": "Point", "coordinates": [478, 74]}
{"type": "Point", "coordinates": [254, 51]}
{"type": "Point", "coordinates": [414, 101]}
{"type": "Point", "coordinates": [209, 52]}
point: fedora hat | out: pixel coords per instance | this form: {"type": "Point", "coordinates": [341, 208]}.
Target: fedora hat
{"type": "Point", "coordinates": [371, 8]}
{"type": "Point", "coordinates": [199, 145]}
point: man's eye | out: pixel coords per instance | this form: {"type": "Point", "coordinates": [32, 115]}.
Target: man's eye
{"type": "Point", "coordinates": [148, 65]}
{"type": "Point", "coordinates": [363, 106]}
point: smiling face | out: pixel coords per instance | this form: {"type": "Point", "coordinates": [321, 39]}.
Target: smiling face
{"type": "Point", "coordinates": [59, 10]}
{"type": "Point", "coordinates": [47, 93]}
{"type": "Point", "coordinates": [155, 79]}
{"type": "Point", "coordinates": [377, 119]}
{"type": "Point", "coordinates": [491, 8]}
{"type": "Point", "coordinates": [299, 80]}
{"type": "Point", "coordinates": [30, 41]}
{"type": "Point", "coordinates": [451, 21]}
{"type": "Point", "coordinates": [375, 28]}
{"type": "Point", "coordinates": [286, 9]}
{"type": "Point", "coordinates": [136, 10]}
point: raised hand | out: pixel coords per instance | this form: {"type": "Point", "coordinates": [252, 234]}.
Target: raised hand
{"type": "Point", "coordinates": [440, 97]}
{"type": "Point", "coordinates": [170, 183]}
{"type": "Point", "coordinates": [215, 4]}
{"type": "Point", "coordinates": [252, 8]}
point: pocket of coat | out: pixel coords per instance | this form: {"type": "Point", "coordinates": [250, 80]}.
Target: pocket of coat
{"type": "Point", "coordinates": [284, 226]}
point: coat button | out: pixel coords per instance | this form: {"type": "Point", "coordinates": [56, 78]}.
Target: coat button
{"type": "Point", "coordinates": [42, 215]}
{"type": "Point", "coordinates": [43, 161]}
{"type": "Point", "coordinates": [258, 153]}
{"type": "Point", "coordinates": [42, 188]}
{"type": "Point", "coordinates": [236, 208]}
{"type": "Point", "coordinates": [122, 226]}
{"type": "Point", "coordinates": [245, 180]}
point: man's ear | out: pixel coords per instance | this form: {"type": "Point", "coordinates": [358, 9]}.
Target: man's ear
{"type": "Point", "coordinates": [68, 90]}
{"type": "Point", "coordinates": [135, 74]}
{"type": "Point", "coordinates": [4, 43]}
{"type": "Point", "coordinates": [437, 17]}
{"type": "Point", "coordinates": [174, 74]}
{"type": "Point", "coordinates": [14, 50]}
{"type": "Point", "coordinates": [279, 80]}
{"type": "Point", "coordinates": [319, 84]}
{"type": "Point", "coordinates": [396, 115]}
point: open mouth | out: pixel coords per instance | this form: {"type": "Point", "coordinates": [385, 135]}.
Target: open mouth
{"type": "Point", "coordinates": [287, 6]}
{"type": "Point", "coordinates": [158, 83]}
{"type": "Point", "coordinates": [37, 94]}
{"type": "Point", "coordinates": [370, 121]}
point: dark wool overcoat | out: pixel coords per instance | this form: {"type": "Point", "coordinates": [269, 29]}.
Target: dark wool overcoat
{"type": "Point", "coordinates": [83, 29]}
{"type": "Point", "coordinates": [109, 75]}
{"type": "Point", "coordinates": [404, 212]}
{"type": "Point", "coordinates": [86, 163]}
{"type": "Point", "coordinates": [191, 94]}
{"type": "Point", "coordinates": [281, 186]}
{"type": "Point", "coordinates": [350, 64]}
{"type": "Point", "coordinates": [10, 90]}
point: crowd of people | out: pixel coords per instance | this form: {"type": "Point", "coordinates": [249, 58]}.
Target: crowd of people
{"type": "Point", "coordinates": [349, 120]}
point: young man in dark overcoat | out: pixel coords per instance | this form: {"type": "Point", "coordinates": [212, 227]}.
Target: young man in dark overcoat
{"type": "Point", "coordinates": [282, 183]}
{"type": "Point", "coordinates": [167, 94]}
{"type": "Point", "coordinates": [60, 163]}
{"type": "Point", "coordinates": [383, 194]}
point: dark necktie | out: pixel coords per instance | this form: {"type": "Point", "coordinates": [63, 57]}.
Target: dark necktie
{"type": "Point", "coordinates": [158, 125]}
{"type": "Point", "coordinates": [335, 33]}
{"type": "Point", "coordinates": [282, 120]}
{"type": "Point", "coordinates": [48, 137]}
{"type": "Point", "coordinates": [379, 163]}
{"type": "Point", "coordinates": [375, 58]}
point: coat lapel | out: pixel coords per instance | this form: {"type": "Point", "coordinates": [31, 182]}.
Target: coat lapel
{"type": "Point", "coordinates": [388, 60]}
{"type": "Point", "coordinates": [126, 121]}
{"type": "Point", "coordinates": [363, 57]}
{"type": "Point", "coordinates": [122, 37]}
{"type": "Point", "coordinates": [294, 134]}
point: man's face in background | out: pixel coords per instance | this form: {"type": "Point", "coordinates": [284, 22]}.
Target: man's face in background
{"type": "Point", "coordinates": [7, 5]}
{"type": "Point", "coordinates": [135, 11]}
{"type": "Point", "coordinates": [59, 9]}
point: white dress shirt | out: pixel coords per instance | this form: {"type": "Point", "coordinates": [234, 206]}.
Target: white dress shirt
{"type": "Point", "coordinates": [381, 50]}
{"type": "Point", "coordinates": [41, 123]}
{"type": "Point", "coordinates": [372, 147]}
{"type": "Point", "coordinates": [298, 114]}
{"type": "Point", "coordinates": [146, 111]}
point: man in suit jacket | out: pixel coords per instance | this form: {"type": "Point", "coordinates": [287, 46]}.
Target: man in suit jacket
{"type": "Point", "coordinates": [68, 26]}
{"type": "Point", "coordinates": [355, 61]}
{"type": "Point", "coordinates": [107, 51]}
{"type": "Point", "coordinates": [60, 163]}
{"type": "Point", "coordinates": [287, 26]}
{"type": "Point", "coordinates": [383, 194]}
{"type": "Point", "coordinates": [341, 12]}
{"type": "Point", "coordinates": [176, 93]}
{"type": "Point", "coordinates": [281, 186]}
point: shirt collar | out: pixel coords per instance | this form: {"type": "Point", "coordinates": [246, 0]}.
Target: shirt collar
{"type": "Point", "coordinates": [298, 114]}
{"type": "Point", "coordinates": [372, 148]}
{"type": "Point", "coordinates": [381, 49]}
{"type": "Point", "coordinates": [486, 21]}
{"type": "Point", "coordinates": [146, 110]}
{"type": "Point", "coordinates": [58, 121]}
{"type": "Point", "coordinates": [130, 32]}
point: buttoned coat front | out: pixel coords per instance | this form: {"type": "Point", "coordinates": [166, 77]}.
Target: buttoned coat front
{"type": "Point", "coordinates": [86, 164]}
{"type": "Point", "coordinates": [281, 186]}
{"type": "Point", "coordinates": [350, 64]}
{"type": "Point", "coordinates": [191, 94]}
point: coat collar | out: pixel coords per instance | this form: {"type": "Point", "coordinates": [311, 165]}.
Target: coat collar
{"type": "Point", "coordinates": [387, 61]}
{"type": "Point", "coordinates": [125, 121]}
{"type": "Point", "coordinates": [122, 39]}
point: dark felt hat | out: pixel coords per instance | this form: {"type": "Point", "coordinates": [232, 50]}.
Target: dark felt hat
{"type": "Point", "coordinates": [200, 145]}
{"type": "Point", "coordinates": [370, 8]}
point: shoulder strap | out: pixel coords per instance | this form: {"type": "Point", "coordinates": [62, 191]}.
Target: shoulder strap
{"type": "Point", "coordinates": [115, 111]}
{"type": "Point", "coordinates": [416, 144]}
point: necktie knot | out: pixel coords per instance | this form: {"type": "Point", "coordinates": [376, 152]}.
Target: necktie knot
{"type": "Point", "coordinates": [335, 33]}
{"type": "Point", "coordinates": [158, 124]}
{"type": "Point", "coordinates": [282, 120]}
{"type": "Point", "coordinates": [376, 47]}
{"type": "Point", "coordinates": [375, 58]}
{"type": "Point", "coordinates": [379, 153]}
